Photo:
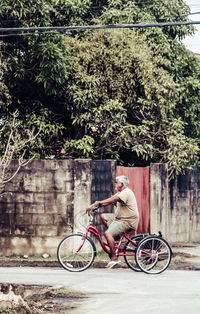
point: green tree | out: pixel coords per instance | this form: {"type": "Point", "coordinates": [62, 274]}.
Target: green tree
{"type": "Point", "coordinates": [119, 87]}
{"type": "Point", "coordinates": [132, 95]}
{"type": "Point", "coordinates": [37, 66]}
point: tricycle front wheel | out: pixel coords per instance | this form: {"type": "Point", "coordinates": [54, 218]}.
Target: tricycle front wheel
{"type": "Point", "coordinates": [76, 253]}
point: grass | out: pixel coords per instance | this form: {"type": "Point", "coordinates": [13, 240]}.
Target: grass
{"type": "Point", "coordinates": [7, 310]}
{"type": "Point", "coordinates": [64, 291]}
{"type": "Point", "coordinates": [30, 257]}
{"type": "Point", "coordinates": [52, 295]}
{"type": "Point", "coordinates": [37, 302]}
{"type": "Point", "coordinates": [61, 290]}
{"type": "Point", "coordinates": [102, 256]}
{"type": "Point", "coordinates": [176, 260]}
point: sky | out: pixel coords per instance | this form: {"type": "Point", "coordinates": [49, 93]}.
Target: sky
{"type": "Point", "coordinates": [193, 42]}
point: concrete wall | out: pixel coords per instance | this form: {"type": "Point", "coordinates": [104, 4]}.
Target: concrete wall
{"type": "Point", "coordinates": [46, 201]}
{"type": "Point", "coordinates": [175, 205]}
{"type": "Point", "coordinates": [39, 207]}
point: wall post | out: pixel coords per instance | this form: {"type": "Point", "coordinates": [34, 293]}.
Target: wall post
{"type": "Point", "coordinates": [82, 193]}
{"type": "Point", "coordinates": [159, 199]}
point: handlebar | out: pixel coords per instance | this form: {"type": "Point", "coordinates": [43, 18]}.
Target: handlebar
{"type": "Point", "coordinates": [94, 209]}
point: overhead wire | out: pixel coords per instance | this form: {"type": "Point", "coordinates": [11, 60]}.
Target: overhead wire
{"type": "Point", "coordinates": [96, 7]}
{"type": "Point", "coordinates": [103, 7]}
{"type": "Point", "coordinates": [6, 32]}
{"type": "Point", "coordinates": [28, 34]}
{"type": "Point", "coordinates": [76, 28]}
{"type": "Point", "coordinates": [153, 19]}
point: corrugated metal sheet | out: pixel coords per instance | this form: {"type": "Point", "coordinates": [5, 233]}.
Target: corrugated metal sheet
{"type": "Point", "coordinates": [102, 187]}
{"type": "Point", "coordinates": [139, 183]}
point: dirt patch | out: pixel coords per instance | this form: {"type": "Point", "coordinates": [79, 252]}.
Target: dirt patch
{"type": "Point", "coordinates": [35, 299]}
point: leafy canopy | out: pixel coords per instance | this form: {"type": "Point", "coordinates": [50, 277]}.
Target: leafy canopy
{"type": "Point", "coordinates": [132, 95]}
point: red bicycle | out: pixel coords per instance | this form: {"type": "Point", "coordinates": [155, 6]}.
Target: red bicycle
{"type": "Point", "coordinates": [142, 252]}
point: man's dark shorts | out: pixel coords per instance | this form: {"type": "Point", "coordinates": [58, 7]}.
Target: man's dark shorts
{"type": "Point", "coordinates": [115, 226]}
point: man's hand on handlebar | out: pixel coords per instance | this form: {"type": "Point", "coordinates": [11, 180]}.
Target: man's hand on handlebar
{"type": "Point", "coordinates": [96, 204]}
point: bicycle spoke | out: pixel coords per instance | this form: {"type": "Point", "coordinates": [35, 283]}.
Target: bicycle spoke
{"type": "Point", "coordinates": [153, 255]}
{"type": "Point", "coordinates": [76, 253]}
{"type": "Point", "coordinates": [130, 249]}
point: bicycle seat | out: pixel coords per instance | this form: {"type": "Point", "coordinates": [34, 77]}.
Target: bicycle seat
{"type": "Point", "coordinates": [117, 238]}
{"type": "Point", "coordinates": [129, 230]}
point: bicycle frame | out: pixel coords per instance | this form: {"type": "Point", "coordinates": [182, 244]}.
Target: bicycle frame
{"type": "Point", "coordinates": [142, 252]}
{"type": "Point", "coordinates": [119, 251]}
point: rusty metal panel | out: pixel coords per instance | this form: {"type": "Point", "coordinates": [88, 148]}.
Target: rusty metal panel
{"type": "Point", "coordinates": [102, 187]}
{"type": "Point", "coordinates": [139, 184]}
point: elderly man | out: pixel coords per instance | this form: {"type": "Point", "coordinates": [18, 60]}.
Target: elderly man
{"type": "Point", "coordinates": [126, 215]}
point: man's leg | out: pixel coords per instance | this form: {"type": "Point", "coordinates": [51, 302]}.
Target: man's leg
{"type": "Point", "coordinates": [104, 220]}
{"type": "Point", "coordinates": [114, 229]}
{"type": "Point", "coordinates": [111, 243]}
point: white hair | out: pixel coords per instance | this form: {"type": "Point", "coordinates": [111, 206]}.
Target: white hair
{"type": "Point", "coordinates": [123, 180]}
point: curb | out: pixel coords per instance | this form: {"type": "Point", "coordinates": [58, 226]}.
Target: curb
{"type": "Point", "coordinates": [185, 267]}
{"type": "Point", "coordinates": [96, 264]}
{"type": "Point", "coordinates": [28, 263]}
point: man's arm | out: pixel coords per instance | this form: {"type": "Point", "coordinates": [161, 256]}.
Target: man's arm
{"type": "Point", "coordinates": [111, 200]}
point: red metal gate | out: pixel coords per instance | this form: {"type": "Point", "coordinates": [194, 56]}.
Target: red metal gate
{"type": "Point", "coordinates": [139, 184]}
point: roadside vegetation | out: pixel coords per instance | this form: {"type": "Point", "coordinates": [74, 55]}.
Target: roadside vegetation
{"type": "Point", "coordinates": [43, 300]}
{"type": "Point", "coordinates": [125, 94]}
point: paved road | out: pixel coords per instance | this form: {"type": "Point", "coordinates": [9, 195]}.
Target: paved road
{"type": "Point", "coordinates": [120, 291]}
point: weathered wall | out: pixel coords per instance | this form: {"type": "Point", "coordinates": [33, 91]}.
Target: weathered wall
{"type": "Point", "coordinates": [93, 180]}
{"type": "Point", "coordinates": [46, 201]}
{"type": "Point", "coordinates": [49, 198]}
{"type": "Point", "coordinates": [175, 205]}
{"type": "Point", "coordinates": [39, 208]}
{"type": "Point", "coordinates": [159, 199]}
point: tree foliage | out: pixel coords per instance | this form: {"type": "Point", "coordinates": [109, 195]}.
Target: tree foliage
{"type": "Point", "coordinates": [14, 143]}
{"type": "Point", "coordinates": [132, 95]}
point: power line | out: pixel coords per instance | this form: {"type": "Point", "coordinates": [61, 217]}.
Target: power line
{"type": "Point", "coordinates": [103, 7]}
{"type": "Point", "coordinates": [76, 28]}
{"type": "Point", "coordinates": [27, 34]}
{"type": "Point", "coordinates": [192, 13]}
{"type": "Point", "coordinates": [156, 18]}
{"type": "Point", "coordinates": [107, 6]}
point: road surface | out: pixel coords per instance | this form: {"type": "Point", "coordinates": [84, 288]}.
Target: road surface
{"type": "Point", "coordinates": [119, 291]}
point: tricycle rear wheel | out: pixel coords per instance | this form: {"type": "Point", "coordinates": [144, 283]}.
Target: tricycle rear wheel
{"type": "Point", "coordinates": [153, 255]}
{"type": "Point", "coordinates": [130, 250]}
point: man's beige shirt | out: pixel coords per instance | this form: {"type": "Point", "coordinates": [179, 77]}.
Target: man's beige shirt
{"type": "Point", "coordinates": [127, 210]}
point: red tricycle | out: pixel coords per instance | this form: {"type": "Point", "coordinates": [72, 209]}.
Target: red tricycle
{"type": "Point", "coordinates": [142, 252]}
